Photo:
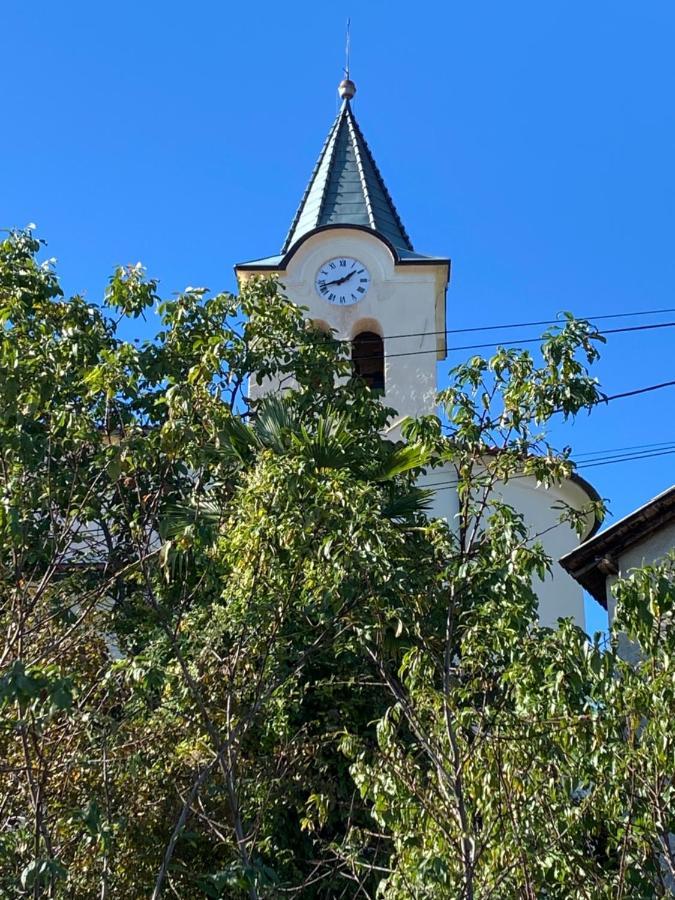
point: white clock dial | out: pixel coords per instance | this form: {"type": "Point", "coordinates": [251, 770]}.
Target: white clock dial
{"type": "Point", "coordinates": [342, 281]}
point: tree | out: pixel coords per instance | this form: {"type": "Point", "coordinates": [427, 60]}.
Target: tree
{"type": "Point", "coordinates": [240, 661]}
{"type": "Point", "coordinates": [516, 760]}
{"type": "Point", "coordinates": [159, 669]}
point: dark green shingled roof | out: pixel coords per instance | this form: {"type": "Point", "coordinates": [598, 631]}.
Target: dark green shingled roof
{"type": "Point", "coordinates": [346, 188]}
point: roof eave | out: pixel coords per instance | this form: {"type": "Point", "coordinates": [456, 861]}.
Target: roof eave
{"type": "Point", "coordinates": [586, 562]}
{"type": "Point", "coordinates": [398, 254]}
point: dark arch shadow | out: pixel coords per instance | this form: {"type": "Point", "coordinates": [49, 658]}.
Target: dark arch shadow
{"type": "Point", "coordinates": [368, 359]}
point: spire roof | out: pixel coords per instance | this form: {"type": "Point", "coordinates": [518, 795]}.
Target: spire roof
{"type": "Point", "coordinates": [346, 187]}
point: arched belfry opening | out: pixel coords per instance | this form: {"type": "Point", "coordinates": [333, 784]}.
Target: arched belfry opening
{"type": "Point", "coordinates": [368, 359]}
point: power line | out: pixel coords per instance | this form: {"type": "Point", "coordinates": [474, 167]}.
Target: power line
{"type": "Point", "coordinates": [530, 340]}
{"type": "Point", "coordinates": [537, 340]}
{"type": "Point", "coordinates": [644, 390]}
{"type": "Point", "coordinates": [644, 312]}
{"type": "Point", "coordinates": [607, 462]}
{"type": "Point", "coordinates": [607, 450]}
{"type": "Point", "coordinates": [621, 396]}
{"type": "Point", "coordinates": [582, 461]}
{"type": "Point", "coordinates": [604, 399]}
{"type": "Point", "coordinates": [444, 485]}
{"type": "Point", "coordinates": [621, 454]}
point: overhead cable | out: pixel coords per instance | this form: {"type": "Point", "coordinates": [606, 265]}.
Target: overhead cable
{"type": "Point", "coordinates": [559, 321]}
{"type": "Point", "coordinates": [444, 485]}
{"type": "Point", "coordinates": [517, 343]}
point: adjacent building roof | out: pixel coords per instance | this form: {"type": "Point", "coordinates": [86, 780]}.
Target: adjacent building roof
{"type": "Point", "coordinates": [591, 562]}
{"type": "Point", "coordinates": [346, 188]}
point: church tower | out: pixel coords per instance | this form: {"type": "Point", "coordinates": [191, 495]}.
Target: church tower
{"type": "Point", "coordinates": [348, 259]}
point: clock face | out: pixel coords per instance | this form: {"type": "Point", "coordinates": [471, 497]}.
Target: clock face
{"type": "Point", "coordinates": [342, 281]}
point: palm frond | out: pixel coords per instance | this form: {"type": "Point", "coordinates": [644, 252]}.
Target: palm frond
{"type": "Point", "coordinates": [179, 517]}
{"type": "Point", "coordinates": [402, 459]}
{"type": "Point", "coordinates": [404, 506]}
{"type": "Point", "coordinates": [237, 441]}
{"type": "Point", "coordinates": [329, 443]}
{"type": "Point", "coordinates": [275, 423]}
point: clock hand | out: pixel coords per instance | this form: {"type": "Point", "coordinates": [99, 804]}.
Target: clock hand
{"type": "Point", "coordinates": [346, 277]}
{"type": "Point", "coordinates": [337, 281]}
{"type": "Point", "coordinates": [340, 280]}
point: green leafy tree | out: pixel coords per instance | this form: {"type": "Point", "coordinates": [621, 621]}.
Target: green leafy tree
{"type": "Point", "coordinates": [180, 575]}
{"type": "Point", "coordinates": [516, 760]}
{"type": "Point", "coordinates": [239, 661]}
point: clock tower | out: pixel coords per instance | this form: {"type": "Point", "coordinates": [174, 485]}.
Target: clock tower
{"type": "Point", "coordinates": [348, 259]}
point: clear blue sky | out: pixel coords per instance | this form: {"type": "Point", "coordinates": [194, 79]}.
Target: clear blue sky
{"type": "Point", "coordinates": [534, 143]}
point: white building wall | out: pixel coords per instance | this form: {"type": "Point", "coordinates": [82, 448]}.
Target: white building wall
{"type": "Point", "coordinates": [559, 594]}
{"type": "Point", "coordinates": [653, 548]}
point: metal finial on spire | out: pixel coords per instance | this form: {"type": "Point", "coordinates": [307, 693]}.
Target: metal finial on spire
{"type": "Point", "coordinates": [347, 88]}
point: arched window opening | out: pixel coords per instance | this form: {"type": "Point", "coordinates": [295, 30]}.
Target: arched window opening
{"type": "Point", "coordinates": [368, 359]}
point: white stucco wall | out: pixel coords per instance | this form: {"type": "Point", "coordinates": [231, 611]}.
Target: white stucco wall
{"type": "Point", "coordinates": [654, 547]}
{"type": "Point", "coordinates": [559, 594]}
